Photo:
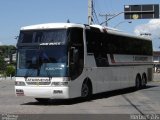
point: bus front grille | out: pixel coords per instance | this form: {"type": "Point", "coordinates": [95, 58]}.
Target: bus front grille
{"type": "Point", "coordinates": [38, 83]}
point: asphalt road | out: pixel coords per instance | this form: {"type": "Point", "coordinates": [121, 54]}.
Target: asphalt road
{"type": "Point", "coordinates": [125, 104]}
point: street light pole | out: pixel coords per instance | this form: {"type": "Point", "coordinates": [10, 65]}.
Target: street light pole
{"type": "Point", "coordinates": [121, 23]}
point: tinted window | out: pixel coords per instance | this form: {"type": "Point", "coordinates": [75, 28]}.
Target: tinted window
{"type": "Point", "coordinates": [43, 36]}
{"type": "Point", "coordinates": [50, 61]}
{"type": "Point", "coordinates": [100, 44]}
{"type": "Point", "coordinates": [96, 46]}
{"type": "Point", "coordinates": [127, 45]}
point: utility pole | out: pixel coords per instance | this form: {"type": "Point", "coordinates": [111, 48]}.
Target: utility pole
{"type": "Point", "coordinates": [90, 12]}
{"type": "Point", "coordinates": [112, 16]}
{"type": "Point", "coordinates": [107, 16]}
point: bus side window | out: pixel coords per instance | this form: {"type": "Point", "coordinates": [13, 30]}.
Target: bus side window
{"type": "Point", "coordinates": [96, 46]}
{"type": "Point", "coordinates": [100, 50]}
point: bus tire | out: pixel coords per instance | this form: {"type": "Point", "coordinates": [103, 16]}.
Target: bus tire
{"type": "Point", "coordinates": [42, 100]}
{"type": "Point", "coordinates": [138, 82]}
{"type": "Point", "coordinates": [86, 90]}
{"type": "Point", "coordinates": [144, 80]}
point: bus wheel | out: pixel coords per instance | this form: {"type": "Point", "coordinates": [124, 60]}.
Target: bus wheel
{"type": "Point", "coordinates": [138, 82]}
{"type": "Point", "coordinates": [42, 100]}
{"type": "Point", "coordinates": [144, 80]}
{"type": "Point", "coordinates": [86, 90]}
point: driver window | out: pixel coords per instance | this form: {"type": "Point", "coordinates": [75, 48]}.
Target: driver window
{"type": "Point", "coordinates": [76, 52]}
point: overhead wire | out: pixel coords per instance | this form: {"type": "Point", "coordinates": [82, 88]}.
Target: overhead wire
{"type": "Point", "coordinates": [95, 17]}
{"type": "Point", "coordinates": [94, 14]}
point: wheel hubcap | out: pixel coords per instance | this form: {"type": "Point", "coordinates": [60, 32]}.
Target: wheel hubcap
{"type": "Point", "coordinates": [137, 83]}
{"type": "Point", "coordinates": [85, 90]}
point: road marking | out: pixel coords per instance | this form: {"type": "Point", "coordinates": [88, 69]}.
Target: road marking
{"type": "Point", "coordinates": [131, 103]}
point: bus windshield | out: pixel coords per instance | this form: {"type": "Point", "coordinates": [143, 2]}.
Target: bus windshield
{"type": "Point", "coordinates": [42, 53]}
{"type": "Point", "coordinates": [54, 36]}
{"type": "Point", "coordinates": [50, 61]}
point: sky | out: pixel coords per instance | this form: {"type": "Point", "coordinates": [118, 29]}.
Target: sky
{"type": "Point", "coordinates": [15, 14]}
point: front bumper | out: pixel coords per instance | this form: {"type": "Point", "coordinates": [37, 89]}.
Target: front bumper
{"type": "Point", "coordinates": [43, 92]}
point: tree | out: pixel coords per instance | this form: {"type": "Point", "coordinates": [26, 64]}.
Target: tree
{"type": "Point", "coordinates": [6, 50]}
{"type": "Point", "coordinates": [10, 70]}
{"type": "Point", "coordinates": [2, 63]}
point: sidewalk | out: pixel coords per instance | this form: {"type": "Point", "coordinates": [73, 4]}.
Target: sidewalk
{"type": "Point", "coordinates": [7, 78]}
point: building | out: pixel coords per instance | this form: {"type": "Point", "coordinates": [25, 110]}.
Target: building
{"type": "Point", "coordinates": [156, 61]}
{"type": "Point", "coordinates": [156, 57]}
{"type": "Point", "coordinates": [11, 58]}
{"type": "Point", "coordinates": [14, 57]}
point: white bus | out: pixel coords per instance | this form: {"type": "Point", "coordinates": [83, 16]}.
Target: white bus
{"type": "Point", "coordinates": [66, 60]}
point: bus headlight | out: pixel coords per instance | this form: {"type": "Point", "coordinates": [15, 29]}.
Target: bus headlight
{"type": "Point", "coordinates": [20, 83]}
{"type": "Point", "coordinates": [59, 83]}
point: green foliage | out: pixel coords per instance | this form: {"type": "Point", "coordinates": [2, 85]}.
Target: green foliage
{"type": "Point", "coordinates": [10, 70]}
{"type": "Point", "coordinates": [2, 63]}
{"type": "Point", "coordinates": [5, 50]}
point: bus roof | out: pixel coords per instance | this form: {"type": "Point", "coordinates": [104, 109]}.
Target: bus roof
{"type": "Point", "coordinates": [68, 25]}
{"type": "Point", "coordinates": [119, 32]}
{"type": "Point", "coordinates": [51, 26]}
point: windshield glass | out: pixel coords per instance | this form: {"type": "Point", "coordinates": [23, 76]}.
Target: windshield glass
{"type": "Point", "coordinates": [47, 55]}
{"type": "Point", "coordinates": [47, 61]}
{"type": "Point", "coordinates": [54, 36]}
